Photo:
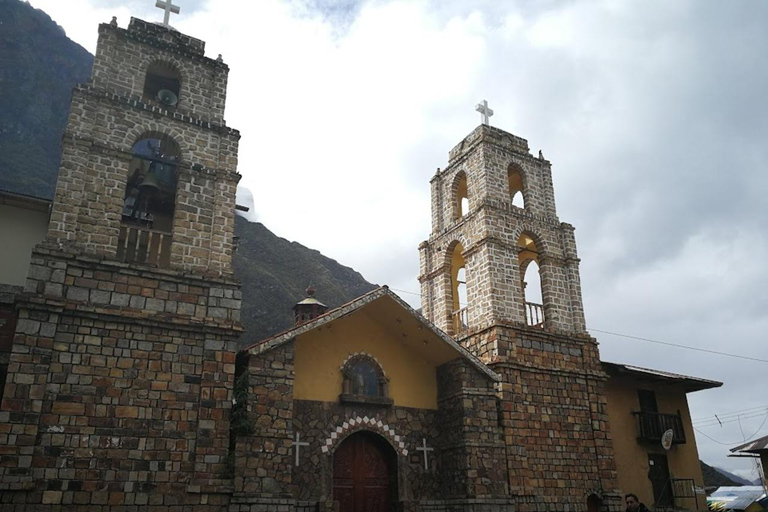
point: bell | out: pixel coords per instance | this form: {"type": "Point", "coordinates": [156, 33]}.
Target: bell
{"type": "Point", "coordinates": [150, 184]}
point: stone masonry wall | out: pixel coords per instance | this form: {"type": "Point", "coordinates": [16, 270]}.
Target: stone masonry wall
{"type": "Point", "coordinates": [123, 56]}
{"type": "Point", "coordinates": [263, 459]}
{"type": "Point", "coordinates": [119, 389]}
{"type": "Point", "coordinates": [470, 442]}
{"type": "Point", "coordinates": [96, 153]}
{"type": "Point", "coordinates": [553, 412]}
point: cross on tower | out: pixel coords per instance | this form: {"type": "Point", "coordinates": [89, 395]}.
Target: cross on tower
{"type": "Point", "coordinates": [169, 8]}
{"type": "Point", "coordinates": [297, 446]}
{"type": "Point", "coordinates": [485, 112]}
{"type": "Point", "coordinates": [423, 448]}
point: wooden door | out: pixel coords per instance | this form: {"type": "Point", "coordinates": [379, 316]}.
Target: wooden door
{"type": "Point", "coordinates": [364, 469]}
{"type": "Point", "coordinates": [658, 473]}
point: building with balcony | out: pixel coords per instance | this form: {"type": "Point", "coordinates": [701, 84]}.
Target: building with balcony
{"type": "Point", "coordinates": [643, 404]}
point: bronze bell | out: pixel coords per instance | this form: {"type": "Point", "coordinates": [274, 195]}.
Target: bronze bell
{"type": "Point", "coordinates": [150, 184]}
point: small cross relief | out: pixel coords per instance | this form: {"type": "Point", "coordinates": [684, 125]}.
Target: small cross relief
{"type": "Point", "coordinates": [297, 444]}
{"type": "Point", "coordinates": [425, 450]}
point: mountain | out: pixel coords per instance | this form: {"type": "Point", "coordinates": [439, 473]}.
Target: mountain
{"type": "Point", "coordinates": [716, 477]}
{"type": "Point", "coordinates": [39, 66]}
{"type": "Point", "coordinates": [275, 275]}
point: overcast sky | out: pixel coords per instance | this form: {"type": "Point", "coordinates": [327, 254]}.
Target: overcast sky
{"type": "Point", "coordinates": [653, 115]}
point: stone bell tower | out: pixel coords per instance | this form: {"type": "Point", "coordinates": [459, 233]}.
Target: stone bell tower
{"type": "Point", "coordinates": [494, 240]}
{"type": "Point", "coordinates": [493, 215]}
{"type": "Point", "coordinates": [120, 381]}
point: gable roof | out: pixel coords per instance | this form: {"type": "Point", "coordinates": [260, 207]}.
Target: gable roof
{"type": "Point", "coordinates": [690, 384]}
{"type": "Point", "coordinates": [357, 304]}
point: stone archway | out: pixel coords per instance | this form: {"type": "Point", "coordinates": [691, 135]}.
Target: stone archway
{"type": "Point", "coordinates": [365, 474]}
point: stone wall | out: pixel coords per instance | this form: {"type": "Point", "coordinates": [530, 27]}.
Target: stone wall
{"type": "Point", "coordinates": [263, 459]}
{"type": "Point", "coordinates": [553, 411]}
{"type": "Point", "coordinates": [96, 154]}
{"type": "Point", "coordinates": [123, 56]}
{"type": "Point", "coordinates": [118, 393]}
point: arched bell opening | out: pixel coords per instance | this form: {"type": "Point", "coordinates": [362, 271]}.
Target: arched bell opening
{"type": "Point", "coordinates": [515, 183]}
{"type": "Point", "coordinates": [162, 84]}
{"type": "Point", "coordinates": [150, 201]}
{"type": "Point", "coordinates": [528, 260]}
{"type": "Point", "coordinates": [365, 473]}
{"type": "Point", "coordinates": [459, 313]}
{"type": "Point", "coordinates": [460, 196]}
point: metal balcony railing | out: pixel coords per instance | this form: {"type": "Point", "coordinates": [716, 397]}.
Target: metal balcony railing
{"type": "Point", "coordinates": [460, 321]}
{"type": "Point", "coordinates": [652, 425]}
{"type": "Point", "coordinates": [534, 314]}
{"type": "Point", "coordinates": [142, 245]}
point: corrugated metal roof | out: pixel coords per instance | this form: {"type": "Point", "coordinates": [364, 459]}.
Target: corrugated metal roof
{"type": "Point", "coordinates": [756, 446]}
{"type": "Point", "coordinates": [690, 383]}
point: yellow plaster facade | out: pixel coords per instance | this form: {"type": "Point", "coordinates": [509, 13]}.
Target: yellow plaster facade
{"type": "Point", "coordinates": [408, 353]}
{"type": "Point", "coordinates": [632, 456]}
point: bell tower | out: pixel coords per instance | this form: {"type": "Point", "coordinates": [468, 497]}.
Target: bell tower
{"type": "Point", "coordinates": [493, 214]}
{"type": "Point", "coordinates": [120, 379]}
{"type": "Point", "coordinates": [494, 219]}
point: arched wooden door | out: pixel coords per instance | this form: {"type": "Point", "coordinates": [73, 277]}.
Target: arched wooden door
{"type": "Point", "coordinates": [364, 474]}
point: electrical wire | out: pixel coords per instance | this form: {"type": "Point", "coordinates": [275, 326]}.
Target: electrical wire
{"type": "Point", "coordinates": [649, 340]}
{"type": "Point", "coordinates": [735, 442]}
{"type": "Point", "coordinates": [732, 413]}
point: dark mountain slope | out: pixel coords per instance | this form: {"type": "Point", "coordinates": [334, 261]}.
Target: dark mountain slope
{"type": "Point", "coordinates": [275, 275]}
{"type": "Point", "coordinates": [38, 67]}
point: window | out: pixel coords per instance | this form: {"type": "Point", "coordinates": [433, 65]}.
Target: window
{"type": "Point", "coordinates": [150, 193]}
{"type": "Point", "coordinates": [162, 84]}
{"type": "Point", "coordinates": [364, 381]}
{"type": "Point", "coordinates": [515, 180]}
{"type": "Point", "coordinates": [149, 202]}
{"type": "Point", "coordinates": [460, 195]}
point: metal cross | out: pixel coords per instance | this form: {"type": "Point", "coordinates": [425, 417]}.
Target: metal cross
{"type": "Point", "coordinates": [297, 446]}
{"type": "Point", "coordinates": [423, 448]}
{"type": "Point", "coordinates": [169, 8]}
{"type": "Point", "coordinates": [485, 112]}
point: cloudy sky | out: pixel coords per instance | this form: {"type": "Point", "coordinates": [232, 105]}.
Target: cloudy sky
{"type": "Point", "coordinates": [653, 115]}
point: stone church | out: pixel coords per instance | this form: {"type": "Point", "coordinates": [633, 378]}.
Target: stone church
{"type": "Point", "coordinates": [126, 390]}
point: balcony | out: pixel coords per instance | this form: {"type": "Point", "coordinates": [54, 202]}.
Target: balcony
{"type": "Point", "coordinates": [460, 321]}
{"type": "Point", "coordinates": [143, 245]}
{"type": "Point", "coordinates": [652, 425]}
{"type": "Point", "coordinates": [534, 314]}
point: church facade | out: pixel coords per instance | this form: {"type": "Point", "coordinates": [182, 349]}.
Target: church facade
{"type": "Point", "coordinates": [126, 388]}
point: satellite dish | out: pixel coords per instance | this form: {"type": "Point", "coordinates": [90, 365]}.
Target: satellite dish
{"type": "Point", "coordinates": [666, 439]}
{"type": "Point", "coordinates": [167, 97]}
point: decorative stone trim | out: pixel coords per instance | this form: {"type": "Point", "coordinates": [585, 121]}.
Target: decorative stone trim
{"type": "Point", "coordinates": [365, 423]}
{"type": "Point", "coordinates": [364, 354]}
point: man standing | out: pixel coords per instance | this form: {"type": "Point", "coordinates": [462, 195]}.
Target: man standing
{"type": "Point", "coordinates": [633, 504]}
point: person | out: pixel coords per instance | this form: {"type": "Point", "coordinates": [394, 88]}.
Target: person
{"type": "Point", "coordinates": [633, 504]}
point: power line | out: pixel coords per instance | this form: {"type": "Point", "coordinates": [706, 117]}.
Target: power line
{"type": "Point", "coordinates": [650, 340]}
{"type": "Point", "coordinates": [667, 343]}
{"type": "Point", "coordinates": [732, 413]}
{"type": "Point", "coordinates": [746, 440]}
{"type": "Point", "coordinates": [714, 423]}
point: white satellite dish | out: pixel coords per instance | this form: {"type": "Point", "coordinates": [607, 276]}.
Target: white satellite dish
{"type": "Point", "coordinates": [666, 439]}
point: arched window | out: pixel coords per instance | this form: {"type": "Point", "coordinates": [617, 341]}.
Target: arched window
{"type": "Point", "coordinates": [364, 381]}
{"type": "Point", "coordinates": [162, 83]}
{"type": "Point", "coordinates": [515, 180]}
{"type": "Point", "coordinates": [149, 202]}
{"type": "Point", "coordinates": [461, 199]}
{"type": "Point", "coordinates": [458, 290]}
{"type": "Point", "coordinates": [528, 259]}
